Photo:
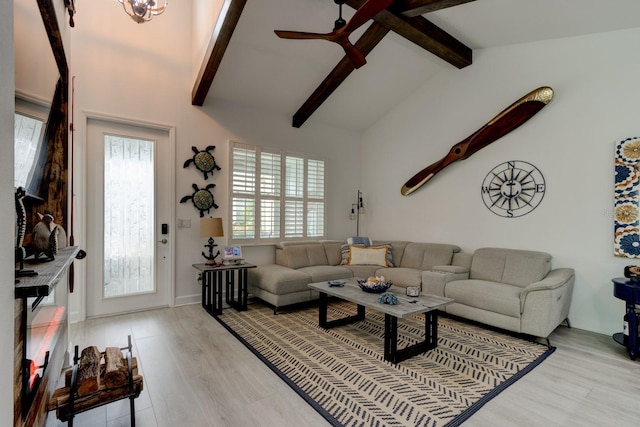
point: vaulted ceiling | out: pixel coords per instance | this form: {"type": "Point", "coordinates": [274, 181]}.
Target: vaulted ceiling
{"type": "Point", "coordinates": [311, 80]}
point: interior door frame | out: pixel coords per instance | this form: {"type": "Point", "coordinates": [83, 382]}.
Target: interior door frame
{"type": "Point", "coordinates": [86, 116]}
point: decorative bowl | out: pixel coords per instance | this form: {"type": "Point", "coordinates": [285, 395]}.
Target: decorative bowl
{"type": "Point", "coordinates": [374, 288]}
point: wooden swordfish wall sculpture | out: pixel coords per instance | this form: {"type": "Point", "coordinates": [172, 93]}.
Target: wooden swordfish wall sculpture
{"type": "Point", "coordinates": [511, 118]}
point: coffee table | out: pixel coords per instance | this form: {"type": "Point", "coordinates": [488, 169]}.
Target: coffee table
{"type": "Point", "coordinates": [407, 306]}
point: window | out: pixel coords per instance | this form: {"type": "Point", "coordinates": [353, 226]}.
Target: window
{"type": "Point", "coordinates": [30, 151]}
{"type": "Point", "coordinates": [275, 195]}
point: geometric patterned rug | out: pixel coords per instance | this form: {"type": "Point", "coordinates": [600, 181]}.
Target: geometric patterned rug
{"type": "Point", "coordinates": [342, 373]}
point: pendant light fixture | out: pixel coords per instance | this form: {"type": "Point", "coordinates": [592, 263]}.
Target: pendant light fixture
{"type": "Point", "coordinates": [142, 11]}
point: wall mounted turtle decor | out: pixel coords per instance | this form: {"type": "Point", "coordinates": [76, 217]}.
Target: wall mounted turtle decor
{"type": "Point", "coordinates": [204, 161]}
{"type": "Point", "coordinates": [202, 198]}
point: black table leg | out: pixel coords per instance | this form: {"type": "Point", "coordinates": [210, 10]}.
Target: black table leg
{"type": "Point", "coordinates": [632, 319]}
{"type": "Point", "coordinates": [239, 302]}
{"type": "Point", "coordinates": [206, 292]}
{"type": "Point", "coordinates": [322, 314]}
{"type": "Point", "coordinates": [217, 293]}
{"type": "Point", "coordinates": [243, 291]}
{"type": "Point", "coordinates": [390, 338]}
{"type": "Point", "coordinates": [230, 287]}
{"type": "Point", "coordinates": [391, 352]}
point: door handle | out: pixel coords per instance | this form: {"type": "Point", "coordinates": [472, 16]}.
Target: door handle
{"type": "Point", "coordinates": [163, 241]}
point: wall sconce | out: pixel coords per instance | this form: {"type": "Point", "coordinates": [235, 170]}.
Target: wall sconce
{"type": "Point", "coordinates": [142, 11]}
{"type": "Point", "coordinates": [357, 209]}
{"type": "Point", "coordinates": [211, 227]}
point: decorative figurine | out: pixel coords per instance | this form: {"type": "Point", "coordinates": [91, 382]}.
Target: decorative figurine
{"type": "Point", "coordinates": [204, 161]}
{"type": "Point", "coordinates": [211, 258]}
{"type": "Point", "coordinates": [388, 298]}
{"type": "Point", "coordinates": [47, 237]}
{"type": "Point", "coordinates": [202, 199]}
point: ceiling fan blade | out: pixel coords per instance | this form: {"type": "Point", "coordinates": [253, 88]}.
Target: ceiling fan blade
{"type": "Point", "coordinates": [301, 35]}
{"type": "Point", "coordinates": [367, 11]}
{"type": "Point", "coordinates": [355, 56]}
{"type": "Point", "coordinates": [341, 36]}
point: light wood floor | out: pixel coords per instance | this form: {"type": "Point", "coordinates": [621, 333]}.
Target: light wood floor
{"type": "Point", "coordinates": [197, 374]}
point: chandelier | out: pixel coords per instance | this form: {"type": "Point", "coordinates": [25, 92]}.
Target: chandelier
{"type": "Point", "coordinates": [142, 11]}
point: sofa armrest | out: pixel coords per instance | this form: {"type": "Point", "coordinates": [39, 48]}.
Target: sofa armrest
{"type": "Point", "coordinates": [555, 279]}
{"type": "Point", "coordinates": [456, 269]}
{"type": "Point", "coordinates": [545, 304]}
{"type": "Point", "coordinates": [435, 280]}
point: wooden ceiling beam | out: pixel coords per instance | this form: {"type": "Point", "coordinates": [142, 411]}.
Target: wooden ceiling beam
{"type": "Point", "coordinates": [423, 33]}
{"type": "Point", "coordinates": [413, 8]}
{"type": "Point", "coordinates": [365, 44]}
{"type": "Point", "coordinates": [403, 18]}
{"type": "Point", "coordinates": [220, 38]}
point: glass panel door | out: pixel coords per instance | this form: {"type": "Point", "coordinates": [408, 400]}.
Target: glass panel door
{"type": "Point", "coordinates": [129, 248]}
{"type": "Point", "coordinates": [130, 195]}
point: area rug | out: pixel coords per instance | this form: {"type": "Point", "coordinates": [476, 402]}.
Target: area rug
{"type": "Point", "coordinates": [341, 372]}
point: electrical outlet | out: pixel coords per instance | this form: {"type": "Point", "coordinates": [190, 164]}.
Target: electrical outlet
{"type": "Point", "coordinates": [184, 223]}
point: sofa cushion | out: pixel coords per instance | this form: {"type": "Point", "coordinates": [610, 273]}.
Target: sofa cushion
{"type": "Point", "coordinates": [423, 256]}
{"type": "Point", "coordinates": [304, 254]}
{"type": "Point", "coordinates": [332, 250]}
{"type": "Point", "coordinates": [401, 276]}
{"type": "Point", "coordinates": [512, 266]}
{"type": "Point", "coordinates": [397, 249]}
{"type": "Point", "coordinates": [363, 271]}
{"type": "Point", "coordinates": [486, 295]}
{"type": "Point", "coordinates": [278, 279]}
{"type": "Point", "coordinates": [320, 273]}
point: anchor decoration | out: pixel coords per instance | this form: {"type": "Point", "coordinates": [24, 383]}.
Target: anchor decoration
{"type": "Point", "coordinates": [202, 198]}
{"type": "Point", "coordinates": [203, 160]}
{"type": "Point", "coordinates": [211, 259]}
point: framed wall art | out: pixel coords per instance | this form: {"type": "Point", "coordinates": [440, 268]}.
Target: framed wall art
{"type": "Point", "coordinates": [626, 225]}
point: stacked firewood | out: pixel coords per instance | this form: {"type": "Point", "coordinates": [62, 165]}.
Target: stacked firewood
{"type": "Point", "coordinates": [97, 382]}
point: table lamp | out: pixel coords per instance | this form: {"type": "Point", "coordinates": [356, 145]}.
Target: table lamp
{"type": "Point", "coordinates": [211, 227]}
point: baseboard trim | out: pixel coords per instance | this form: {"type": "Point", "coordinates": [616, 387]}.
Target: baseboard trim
{"type": "Point", "coordinates": [188, 299]}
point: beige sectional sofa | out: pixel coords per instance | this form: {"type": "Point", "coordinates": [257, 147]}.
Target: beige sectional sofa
{"type": "Point", "coordinates": [300, 263]}
{"type": "Point", "coordinates": [511, 289]}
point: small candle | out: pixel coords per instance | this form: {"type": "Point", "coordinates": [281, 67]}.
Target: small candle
{"type": "Point", "coordinates": [413, 291]}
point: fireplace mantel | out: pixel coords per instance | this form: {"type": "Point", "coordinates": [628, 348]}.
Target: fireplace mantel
{"type": "Point", "coordinates": [31, 400]}
{"type": "Point", "coordinates": [49, 274]}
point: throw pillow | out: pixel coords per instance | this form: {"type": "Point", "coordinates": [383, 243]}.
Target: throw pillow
{"type": "Point", "coordinates": [345, 253]}
{"type": "Point", "coordinates": [359, 241]}
{"type": "Point", "coordinates": [372, 255]}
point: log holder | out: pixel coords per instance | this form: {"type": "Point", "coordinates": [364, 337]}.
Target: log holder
{"type": "Point", "coordinates": [133, 390]}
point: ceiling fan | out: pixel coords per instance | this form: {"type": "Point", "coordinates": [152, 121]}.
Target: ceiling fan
{"type": "Point", "coordinates": [342, 29]}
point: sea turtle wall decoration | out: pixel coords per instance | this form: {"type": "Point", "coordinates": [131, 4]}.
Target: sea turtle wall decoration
{"type": "Point", "coordinates": [203, 160]}
{"type": "Point", "coordinates": [202, 198]}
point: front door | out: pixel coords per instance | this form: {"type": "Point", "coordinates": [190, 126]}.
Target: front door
{"type": "Point", "coordinates": [128, 218]}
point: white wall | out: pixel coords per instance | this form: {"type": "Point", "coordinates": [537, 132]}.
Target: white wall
{"type": "Point", "coordinates": [36, 70]}
{"type": "Point", "coordinates": [571, 141]}
{"type": "Point", "coordinates": [145, 72]}
{"type": "Point", "coordinates": [237, 123]}
{"type": "Point", "coordinates": [7, 209]}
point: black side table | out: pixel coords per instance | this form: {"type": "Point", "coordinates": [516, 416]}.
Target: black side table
{"type": "Point", "coordinates": [212, 286]}
{"type": "Point", "coordinates": [629, 291]}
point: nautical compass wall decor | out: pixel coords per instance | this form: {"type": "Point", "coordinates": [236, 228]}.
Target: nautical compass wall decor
{"type": "Point", "coordinates": [513, 188]}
